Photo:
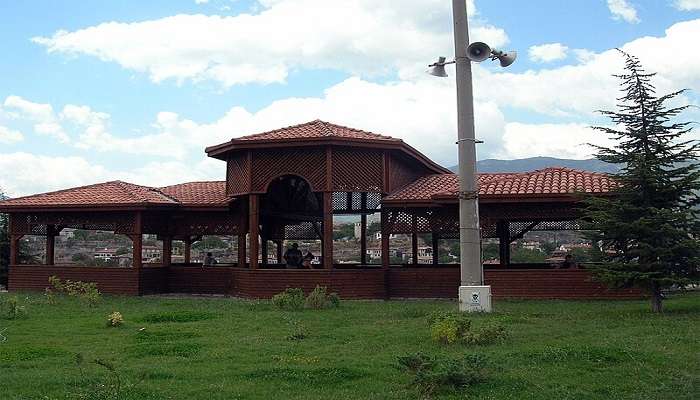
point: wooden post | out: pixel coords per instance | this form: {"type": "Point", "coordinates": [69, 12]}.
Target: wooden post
{"type": "Point", "coordinates": [14, 249]}
{"type": "Point", "coordinates": [241, 250]}
{"type": "Point", "coordinates": [414, 239]}
{"type": "Point", "coordinates": [328, 230]}
{"type": "Point", "coordinates": [137, 241]}
{"type": "Point", "coordinates": [385, 242]}
{"type": "Point", "coordinates": [436, 248]}
{"type": "Point", "coordinates": [263, 249]}
{"type": "Point", "coordinates": [188, 249]}
{"type": "Point", "coordinates": [503, 229]}
{"type": "Point", "coordinates": [279, 251]}
{"type": "Point", "coordinates": [167, 258]}
{"type": "Point", "coordinates": [363, 239]}
{"type": "Point", "coordinates": [254, 227]}
{"type": "Point", "coordinates": [50, 245]}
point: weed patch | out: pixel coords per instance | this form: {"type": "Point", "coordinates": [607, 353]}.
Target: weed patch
{"type": "Point", "coordinates": [29, 353]}
{"type": "Point", "coordinates": [171, 349]}
{"type": "Point", "coordinates": [177, 317]}
{"type": "Point", "coordinates": [310, 376]}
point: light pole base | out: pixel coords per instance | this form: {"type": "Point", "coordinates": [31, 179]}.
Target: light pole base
{"type": "Point", "coordinates": [475, 298]}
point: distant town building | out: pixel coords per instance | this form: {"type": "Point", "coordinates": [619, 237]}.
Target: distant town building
{"type": "Point", "coordinates": [378, 236]}
{"type": "Point", "coordinates": [151, 254]}
{"type": "Point", "coordinates": [105, 254]}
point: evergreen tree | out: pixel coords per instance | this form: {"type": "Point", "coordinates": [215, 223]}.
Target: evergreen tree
{"type": "Point", "coordinates": [649, 227]}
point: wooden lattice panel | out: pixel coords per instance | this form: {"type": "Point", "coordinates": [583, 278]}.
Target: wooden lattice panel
{"type": "Point", "coordinates": [357, 170]}
{"type": "Point", "coordinates": [529, 211]}
{"type": "Point", "coordinates": [310, 164]}
{"type": "Point", "coordinates": [401, 173]}
{"type": "Point", "coordinates": [205, 223]}
{"type": "Point", "coordinates": [305, 230]}
{"type": "Point", "coordinates": [36, 223]}
{"type": "Point", "coordinates": [237, 175]}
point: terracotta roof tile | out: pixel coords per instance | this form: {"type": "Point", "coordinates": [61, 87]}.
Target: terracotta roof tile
{"type": "Point", "coordinates": [115, 193]}
{"type": "Point", "coordinates": [316, 129]}
{"type": "Point", "coordinates": [549, 181]}
{"type": "Point", "coordinates": [198, 193]}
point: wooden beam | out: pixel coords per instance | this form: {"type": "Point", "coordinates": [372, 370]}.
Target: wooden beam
{"type": "Point", "coordinates": [385, 242]}
{"type": "Point", "coordinates": [414, 239]}
{"type": "Point", "coordinates": [254, 226]}
{"type": "Point", "coordinates": [188, 249]}
{"type": "Point", "coordinates": [363, 239]}
{"type": "Point", "coordinates": [241, 250]}
{"type": "Point", "coordinates": [50, 245]}
{"type": "Point", "coordinates": [167, 258]}
{"type": "Point", "coordinates": [327, 230]}
{"type": "Point", "coordinates": [280, 251]}
{"type": "Point", "coordinates": [137, 241]}
{"type": "Point", "coordinates": [263, 249]}
{"type": "Point", "coordinates": [436, 248]}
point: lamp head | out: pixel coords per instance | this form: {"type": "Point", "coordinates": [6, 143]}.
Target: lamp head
{"type": "Point", "coordinates": [438, 68]}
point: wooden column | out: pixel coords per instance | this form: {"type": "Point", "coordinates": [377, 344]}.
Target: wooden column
{"type": "Point", "coordinates": [167, 258]}
{"type": "Point", "coordinates": [436, 248]}
{"type": "Point", "coordinates": [414, 239]}
{"type": "Point", "coordinates": [385, 242]}
{"type": "Point", "coordinates": [263, 249]}
{"type": "Point", "coordinates": [363, 239]}
{"type": "Point", "coordinates": [503, 229]}
{"type": "Point", "coordinates": [254, 227]}
{"type": "Point", "coordinates": [241, 250]}
{"type": "Point", "coordinates": [280, 252]}
{"type": "Point", "coordinates": [188, 249]}
{"type": "Point", "coordinates": [50, 245]}
{"type": "Point", "coordinates": [328, 230]}
{"type": "Point", "coordinates": [137, 241]}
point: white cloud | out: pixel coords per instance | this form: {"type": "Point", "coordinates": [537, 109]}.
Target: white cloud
{"type": "Point", "coordinates": [687, 5]}
{"type": "Point", "coordinates": [554, 140]}
{"type": "Point", "coordinates": [623, 10]}
{"type": "Point", "coordinates": [42, 115]}
{"type": "Point", "coordinates": [201, 1]}
{"type": "Point", "coordinates": [547, 52]}
{"type": "Point", "coordinates": [9, 136]}
{"type": "Point", "coordinates": [244, 49]}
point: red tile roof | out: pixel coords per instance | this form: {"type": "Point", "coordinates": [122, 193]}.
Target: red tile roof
{"type": "Point", "coordinates": [540, 183]}
{"type": "Point", "coordinates": [196, 194]}
{"type": "Point", "coordinates": [115, 193]}
{"type": "Point", "coordinates": [316, 129]}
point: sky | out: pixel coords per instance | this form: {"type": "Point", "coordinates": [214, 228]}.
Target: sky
{"type": "Point", "coordinates": [135, 90]}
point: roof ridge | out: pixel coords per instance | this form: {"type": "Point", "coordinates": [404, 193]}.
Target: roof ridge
{"type": "Point", "coordinates": [187, 183]}
{"type": "Point", "coordinates": [128, 186]}
{"type": "Point", "coordinates": [61, 190]}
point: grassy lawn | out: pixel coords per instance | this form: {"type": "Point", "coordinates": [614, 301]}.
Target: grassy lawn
{"type": "Point", "coordinates": [216, 348]}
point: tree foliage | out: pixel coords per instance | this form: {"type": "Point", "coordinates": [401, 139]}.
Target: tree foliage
{"type": "Point", "coordinates": [4, 244]}
{"type": "Point", "coordinates": [649, 228]}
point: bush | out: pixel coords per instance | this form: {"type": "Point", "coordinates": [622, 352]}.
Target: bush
{"type": "Point", "coordinates": [292, 299]}
{"type": "Point", "coordinates": [13, 309]}
{"type": "Point", "coordinates": [115, 319]}
{"type": "Point", "coordinates": [298, 330]}
{"type": "Point", "coordinates": [85, 291]}
{"type": "Point", "coordinates": [319, 298]}
{"type": "Point", "coordinates": [450, 328]}
{"type": "Point", "coordinates": [432, 374]}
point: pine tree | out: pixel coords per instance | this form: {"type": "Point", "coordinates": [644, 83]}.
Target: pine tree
{"type": "Point", "coordinates": [648, 227]}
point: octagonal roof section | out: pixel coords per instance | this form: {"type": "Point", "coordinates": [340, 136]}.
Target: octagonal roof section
{"type": "Point", "coordinates": [319, 132]}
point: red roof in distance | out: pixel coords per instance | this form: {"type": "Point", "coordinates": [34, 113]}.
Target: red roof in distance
{"type": "Point", "coordinates": [315, 129]}
{"type": "Point", "coordinates": [198, 194]}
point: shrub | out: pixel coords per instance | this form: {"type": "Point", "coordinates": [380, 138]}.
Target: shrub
{"type": "Point", "coordinates": [298, 330]}
{"type": "Point", "coordinates": [450, 328]}
{"type": "Point", "coordinates": [85, 291]}
{"type": "Point", "coordinates": [13, 309]}
{"type": "Point", "coordinates": [115, 319]}
{"type": "Point", "coordinates": [320, 298]}
{"type": "Point", "coordinates": [432, 374]}
{"type": "Point", "coordinates": [292, 299]}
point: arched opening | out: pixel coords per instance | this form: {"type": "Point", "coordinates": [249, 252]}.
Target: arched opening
{"type": "Point", "coordinates": [290, 211]}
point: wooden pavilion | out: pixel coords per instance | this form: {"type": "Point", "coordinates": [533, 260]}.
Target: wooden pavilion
{"type": "Point", "coordinates": [287, 184]}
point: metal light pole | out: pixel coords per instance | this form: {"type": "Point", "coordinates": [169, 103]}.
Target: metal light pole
{"type": "Point", "coordinates": [473, 294]}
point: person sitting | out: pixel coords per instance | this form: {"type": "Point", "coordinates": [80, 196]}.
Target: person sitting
{"type": "Point", "coordinates": [568, 262]}
{"type": "Point", "coordinates": [293, 256]}
{"type": "Point", "coordinates": [209, 260]}
{"type": "Point", "coordinates": [307, 259]}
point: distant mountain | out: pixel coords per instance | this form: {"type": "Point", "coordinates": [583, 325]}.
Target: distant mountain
{"type": "Point", "coordinates": [533, 163]}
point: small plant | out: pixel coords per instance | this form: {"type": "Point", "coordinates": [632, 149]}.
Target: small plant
{"type": "Point", "coordinates": [115, 319]}
{"type": "Point", "coordinates": [85, 291]}
{"type": "Point", "coordinates": [448, 328]}
{"type": "Point", "coordinates": [320, 298]}
{"type": "Point", "coordinates": [451, 328]}
{"type": "Point", "coordinates": [292, 299]}
{"type": "Point", "coordinates": [13, 309]}
{"type": "Point", "coordinates": [298, 330]}
{"type": "Point", "coordinates": [432, 374]}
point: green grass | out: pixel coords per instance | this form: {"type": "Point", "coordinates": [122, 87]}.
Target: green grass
{"type": "Point", "coordinates": [214, 348]}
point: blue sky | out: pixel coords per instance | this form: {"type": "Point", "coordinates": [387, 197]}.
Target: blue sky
{"type": "Point", "coordinates": [135, 90]}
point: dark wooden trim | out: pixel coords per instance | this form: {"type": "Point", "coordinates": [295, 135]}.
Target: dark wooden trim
{"type": "Point", "coordinates": [385, 243]}
{"type": "Point", "coordinates": [254, 228]}
{"type": "Point", "coordinates": [329, 169]}
{"type": "Point", "coordinates": [414, 239]}
{"type": "Point", "coordinates": [50, 244]}
{"type": "Point", "coordinates": [328, 230]}
{"type": "Point", "coordinates": [137, 240]}
{"type": "Point", "coordinates": [436, 248]}
{"type": "Point", "coordinates": [363, 238]}
{"type": "Point", "coordinates": [188, 249]}
{"type": "Point", "coordinates": [167, 257]}
{"type": "Point", "coordinates": [503, 231]}
{"type": "Point", "coordinates": [242, 250]}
